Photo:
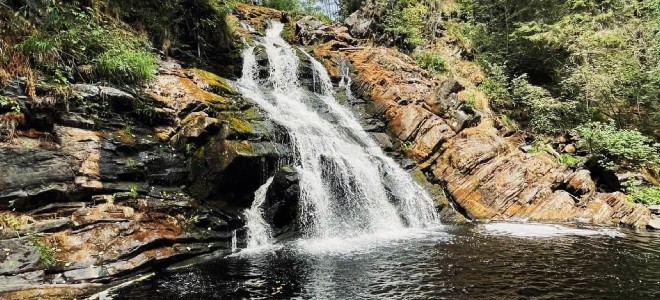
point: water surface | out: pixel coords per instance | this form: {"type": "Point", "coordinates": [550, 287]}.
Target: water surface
{"type": "Point", "coordinates": [491, 261]}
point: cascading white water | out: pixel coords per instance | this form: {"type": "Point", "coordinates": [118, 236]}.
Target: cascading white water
{"type": "Point", "coordinates": [258, 231]}
{"type": "Point", "coordinates": [348, 185]}
{"type": "Point", "coordinates": [234, 241]}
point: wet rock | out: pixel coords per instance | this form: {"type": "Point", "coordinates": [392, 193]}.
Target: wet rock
{"type": "Point", "coordinates": [281, 205]}
{"type": "Point", "coordinates": [581, 185]}
{"type": "Point", "coordinates": [262, 62]}
{"type": "Point", "coordinates": [77, 121]}
{"type": "Point", "coordinates": [33, 177]}
{"type": "Point", "coordinates": [36, 226]}
{"type": "Point", "coordinates": [655, 209]}
{"type": "Point", "coordinates": [193, 128]}
{"type": "Point", "coordinates": [654, 224]}
{"type": "Point", "coordinates": [119, 100]}
{"type": "Point", "coordinates": [21, 279]}
{"type": "Point", "coordinates": [18, 255]}
{"type": "Point", "coordinates": [234, 168]}
{"type": "Point", "coordinates": [445, 99]}
{"type": "Point", "coordinates": [383, 140]}
{"type": "Point", "coordinates": [47, 291]}
{"type": "Point", "coordinates": [462, 119]}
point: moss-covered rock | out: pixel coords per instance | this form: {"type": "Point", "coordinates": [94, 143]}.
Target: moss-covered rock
{"type": "Point", "coordinates": [214, 83]}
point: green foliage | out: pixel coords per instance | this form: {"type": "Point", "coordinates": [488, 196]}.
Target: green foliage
{"type": "Point", "coordinates": [310, 8]}
{"type": "Point", "coordinates": [200, 24]}
{"type": "Point", "coordinates": [9, 220]}
{"type": "Point", "coordinates": [407, 22]}
{"type": "Point", "coordinates": [406, 146]}
{"type": "Point", "coordinates": [45, 253]}
{"type": "Point", "coordinates": [540, 147]}
{"type": "Point", "coordinates": [603, 56]}
{"type": "Point", "coordinates": [286, 5]}
{"type": "Point", "coordinates": [431, 61]}
{"type": "Point", "coordinates": [495, 87]}
{"type": "Point", "coordinates": [9, 103]}
{"type": "Point", "coordinates": [649, 195]}
{"type": "Point", "coordinates": [612, 146]}
{"type": "Point", "coordinates": [509, 122]}
{"type": "Point", "coordinates": [125, 65]}
{"type": "Point", "coordinates": [131, 163]}
{"type": "Point", "coordinates": [134, 192]}
{"type": "Point", "coordinates": [73, 43]}
{"type": "Point", "coordinates": [569, 160]}
{"type": "Point", "coordinates": [546, 113]}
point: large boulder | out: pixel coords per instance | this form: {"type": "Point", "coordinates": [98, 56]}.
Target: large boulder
{"type": "Point", "coordinates": [359, 24]}
{"type": "Point", "coordinates": [310, 30]}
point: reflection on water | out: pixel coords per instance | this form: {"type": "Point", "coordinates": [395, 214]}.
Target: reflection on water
{"type": "Point", "coordinates": [487, 261]}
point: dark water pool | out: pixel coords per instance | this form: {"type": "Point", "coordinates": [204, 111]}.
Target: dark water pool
{"type": "Point", "coordinates": [491, 261]}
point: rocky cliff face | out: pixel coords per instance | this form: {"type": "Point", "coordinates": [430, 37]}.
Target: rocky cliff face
{"type": "Point", "coordinates": [461, 147]}
{"type": "Point", "coordinates": [109, 182]}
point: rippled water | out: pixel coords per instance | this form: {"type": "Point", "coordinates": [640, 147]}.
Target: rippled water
{"type": "Point", "coordinates": [491, 261]}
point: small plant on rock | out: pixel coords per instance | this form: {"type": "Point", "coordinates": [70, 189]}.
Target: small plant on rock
{"type": "Point", "coordinates": [569, 160]}
{"type": "Point", "coordinates": [432, 61]}
{"type": "Point", "coordinates": [45, 253]}
{"type": "Point", "coordinates": [134, 193]}
{"type": "Point", "coordinates": [131, 163]}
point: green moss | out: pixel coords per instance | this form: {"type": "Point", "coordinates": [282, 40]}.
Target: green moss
{"type": "Point", "coordinates": [240, 125]}
{"type": "Point", "coordinates": [216, 83]}
{"type": "Point", "coordinates": [244, 148]}
{"type": "Point", "coordinates": [569, 160]}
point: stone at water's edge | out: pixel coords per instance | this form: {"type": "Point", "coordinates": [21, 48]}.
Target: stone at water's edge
{"type": "Point", "coordinates": [654, 224]}
{"type": "Point", "coordinates": [485, 173]}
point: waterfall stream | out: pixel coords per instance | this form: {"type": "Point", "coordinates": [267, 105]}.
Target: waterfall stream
{"type": "Point", "coordinates": [349, 186]}
{"type": "Point", "coordinates": [258, 231]}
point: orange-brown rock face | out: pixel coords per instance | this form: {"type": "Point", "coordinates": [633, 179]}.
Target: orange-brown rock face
{"type": "Point", "coordinates": [487, 175]}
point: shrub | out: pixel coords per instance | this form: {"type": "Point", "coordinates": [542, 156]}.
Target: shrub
{"type": "Point", "coordinates": [408, 23]}
{"type": "Point", "coordinates": [125, 66]}
{"type": "Point", "coordinates": [286, 5]}
{"type": "Point", "coordinates": [134, 192]}
{"type": "Point", "coordinates": [648, 195]}
{"type": "Point", "coordinates": [540, 147]}
{"type": "Point", "coordinates": [546, 113]}
{"type": "Point", "coordinates": [495, 87]}
{"type": "Point", "coordinates": [45, 253]}
{"type": "Point", "coordinates": [509, 122]}
{"type": "Point", "coordinates": [431, 61]}
{"type": "Point", "coordinates": [611, 146]}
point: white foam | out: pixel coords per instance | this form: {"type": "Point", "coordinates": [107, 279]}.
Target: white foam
{"type": "Point", "coordinates": [544, 230]}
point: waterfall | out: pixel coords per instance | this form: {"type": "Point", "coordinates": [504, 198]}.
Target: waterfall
{"type": "Point", "coordinates": [258, 231]}
{"type": "Point", "coordinates": [234, 241]}
{"type": "Point", "coordinates": [349, 187]}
